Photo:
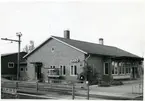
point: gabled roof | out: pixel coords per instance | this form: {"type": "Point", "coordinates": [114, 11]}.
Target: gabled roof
{"type": "Point", "coordinates": [90, 48]}
{"type": "Point", "coordinates": [93, 48]}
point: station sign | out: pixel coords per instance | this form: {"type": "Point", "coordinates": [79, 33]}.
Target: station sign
{"type": "Point", "coordinates": [9, 90]}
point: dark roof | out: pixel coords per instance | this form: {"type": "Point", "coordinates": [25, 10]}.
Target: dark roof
{"type": "Point", "coordinates": [91, 48]}
{"type": "Point", "coordinates": [7, 54]}
{"type": "Point", "coordinates": [98, 49]}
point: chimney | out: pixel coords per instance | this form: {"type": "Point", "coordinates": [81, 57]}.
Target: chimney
{"type": "Point", "coordinates": [101, 41]}
{"type": "Point", "coordinates": [67, 34]}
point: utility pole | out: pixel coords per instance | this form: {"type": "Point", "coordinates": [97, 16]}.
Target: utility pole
{"type": "Point", "coordinates": [19, 34]}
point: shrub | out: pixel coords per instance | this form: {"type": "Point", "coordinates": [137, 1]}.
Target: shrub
{"type": "Point", "coordinates": [117, 83]}
{"type": "Point", "coordinates": [104, 84]}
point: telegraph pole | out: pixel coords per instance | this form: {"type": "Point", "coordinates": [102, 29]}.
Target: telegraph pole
{"type": "Point", "coordinates": [19, 34]}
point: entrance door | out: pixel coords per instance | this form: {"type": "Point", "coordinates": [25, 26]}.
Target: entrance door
{"type": "Point", "coordinates": [134, 72]}
{"type": "Point", "coordinates": [38, 72]}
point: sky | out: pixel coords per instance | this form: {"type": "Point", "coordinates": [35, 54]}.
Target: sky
{"type": "Point", "coordinates": [120, 24]}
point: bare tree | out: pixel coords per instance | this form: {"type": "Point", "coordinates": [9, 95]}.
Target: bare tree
{"type": "Point", "coordinates": [30, 47]}
{"type": "Point", "coordinates": [26, 49]}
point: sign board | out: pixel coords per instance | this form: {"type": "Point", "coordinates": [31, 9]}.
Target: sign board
{"type": "Point", "coordinates": [9, 90]}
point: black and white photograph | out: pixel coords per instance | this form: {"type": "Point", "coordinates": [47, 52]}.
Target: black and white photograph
{"type": "Point", "coordinates": [72, 49]}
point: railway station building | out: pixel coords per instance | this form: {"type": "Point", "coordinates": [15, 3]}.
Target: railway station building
{"type": "Point", "coordinates": [64, 58]}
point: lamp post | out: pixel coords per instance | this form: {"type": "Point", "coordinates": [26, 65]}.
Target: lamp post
{"type": "Point", "coordinates": [19, 34]}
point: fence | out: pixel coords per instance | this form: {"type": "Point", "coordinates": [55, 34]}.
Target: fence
{"type": "Point", "coordinates": [68, 87]}
{"type": "Point", "coordinates": [137, 89]}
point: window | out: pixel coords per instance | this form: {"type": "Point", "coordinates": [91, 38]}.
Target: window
{"type": "Point", "coordinates": [22, 69]}
{"type": "Point", "coordinates": [129, 71]}
{"type": "Point", "coordinates": [126, 69]}
{"type": "Point", "coordinates": [52, 49]}
{"type": "Point", "coordinates": [120, 64]}
{"type": "Point", "coordinates": [115, 64]}
{"type": "Point", "coordinates": [10, 64]}
{"type": "Point", "coordinates": [62, 70]}
{"type": "Point", "coordinates": [122, 70]}
{"type": "Point", "coordinates": [106, 70]}
{"type": "Point", "coordinates": [112, 69]}
{"type": "Point", "coordinates": [119, 70]}
{"type": "Point", "coordinates": [73, 70]}
{"type": "Point", "coordinates": [115, 70]}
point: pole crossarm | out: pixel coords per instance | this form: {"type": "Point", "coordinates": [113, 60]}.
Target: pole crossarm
{"type": "Point", "coordinates": [19, 34]}
{"type": "Point", "coordinates": [10, 39]}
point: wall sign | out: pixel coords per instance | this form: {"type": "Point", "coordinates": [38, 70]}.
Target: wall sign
{"type": "Point", "coordinates": [75, 60]}
{"type": "Point", "coordinates": [9, 90]}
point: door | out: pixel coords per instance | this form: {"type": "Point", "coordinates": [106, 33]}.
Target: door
{"type": "Point", "coordinates": [38, 72]}
{"type": "Point", "coordinates": [134, 72]}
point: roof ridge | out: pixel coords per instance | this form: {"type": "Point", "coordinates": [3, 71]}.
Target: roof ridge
{"type": "Point", "coordinates": [85, 42]}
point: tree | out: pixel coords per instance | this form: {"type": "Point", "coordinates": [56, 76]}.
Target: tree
{"type": "Point", "coordinates": [26, 49]}
{"type": "Point", "coordinates": [88, 75]}
{"type": "Point", "coordinates": [30, 47]}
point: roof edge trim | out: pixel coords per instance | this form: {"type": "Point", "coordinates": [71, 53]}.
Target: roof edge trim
{"type": "Point", "coordinates": [37, 47]}
{"type": "Point", "coordinates": [57, 40]}
{"type": "Point", "coordinates": [70, 45]}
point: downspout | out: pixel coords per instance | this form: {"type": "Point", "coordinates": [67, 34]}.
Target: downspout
{"type": "Point", "coordinates": [87, 63]}
{"type": "Point", "coordinates": [87, 58]}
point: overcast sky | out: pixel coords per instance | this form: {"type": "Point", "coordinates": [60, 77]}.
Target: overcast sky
{"type": "Point", "coordinates": [121, 24]}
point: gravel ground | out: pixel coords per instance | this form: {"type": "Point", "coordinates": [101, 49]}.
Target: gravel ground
{"type": "Point", "coordinates": [10, 96]}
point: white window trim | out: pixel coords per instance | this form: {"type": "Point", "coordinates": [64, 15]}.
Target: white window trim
{"type": "Point", "coordinates": [52, 49]}
{"type": "Point", "coordinates": [128, 71]}
{"type": "Point", "coordinates": [114, 71]}
{"type": "Point", "coordinates": [62, 70]}
{"type": "Point", "coordinates": [122, 70]}
{"type": "Point", "coordinates": [11, 63]}
{"type": "Point", "coordinates": [73, 70]}
{"type": "Point", "coordinates": [104, 68]}
{"type": "Point", "coordinates": [114, 66]}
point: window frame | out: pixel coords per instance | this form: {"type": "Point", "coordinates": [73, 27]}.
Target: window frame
{"type": "Point", "coordinates": [114, 67]}
{"type": "Point", "coordinates": [11, 63]}
{"type": "Point", "coordinates": [105, 68]}
{"type": "Point", "coordinates": [52, 49]}
{"type": "Point", "coordinates": [72, 70]}
{"type": "Point", "coordinates": [62, 68]}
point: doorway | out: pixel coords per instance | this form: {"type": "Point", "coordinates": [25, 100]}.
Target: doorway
{"type": "Point", "coordinates": [134, 72]}
{"type": "Point", "coordinates": [38, 70]}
